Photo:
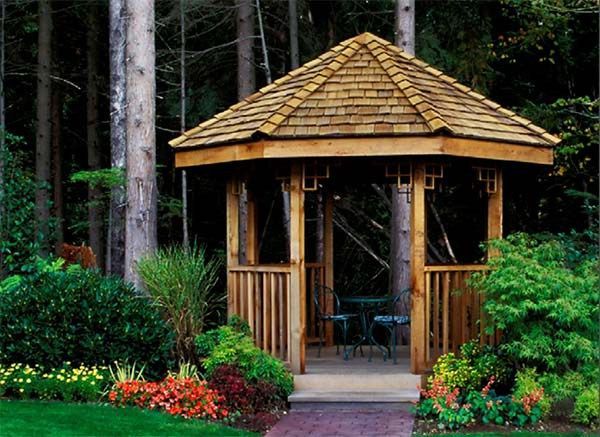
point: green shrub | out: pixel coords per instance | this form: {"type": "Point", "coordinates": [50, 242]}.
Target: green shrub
{"type": "Point", "coordinates": [587, 406]}
{"type": "Point", "coordinates": [65, 383]}
{"type": "Point", "coordinates": [472, 369]}
{"type": "Point", "coordinates": [182, 283]}
{"type": "Point", "coordinates": [49, 317]}
{"type": "Point", "coordinates": [526, 382]}
{"type": "Point", "coordinates": [230, 346]}
{"type": "Point", "coordinates": [545, 304]}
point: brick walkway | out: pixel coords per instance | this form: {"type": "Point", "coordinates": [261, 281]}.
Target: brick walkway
{"type": "Point", "coordinates": [389, 423]}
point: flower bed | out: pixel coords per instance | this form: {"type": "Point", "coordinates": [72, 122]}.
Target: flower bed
{"type": "Point", "coordinates": [64, 383]}
{"type": "Point", "coordinates": [188, 398]}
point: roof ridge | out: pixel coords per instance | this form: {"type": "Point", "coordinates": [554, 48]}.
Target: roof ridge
{"type": "Point", "coordinates": [481, 98]}
{"type": "Point", "coordinates": [252, 97]}
{"type": "Point", "coordinates": [292, 103]}
{"type": "Point", "coordinates": [417, 99]}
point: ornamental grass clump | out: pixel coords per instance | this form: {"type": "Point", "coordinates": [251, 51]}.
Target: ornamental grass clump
{"type": "Point", "coordinates": [183, 283]}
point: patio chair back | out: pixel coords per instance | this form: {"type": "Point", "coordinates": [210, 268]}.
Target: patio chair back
{"type": "Point", "coordinates": [322, 293]}
{"type": "Point", "coordinates": [400, 304]}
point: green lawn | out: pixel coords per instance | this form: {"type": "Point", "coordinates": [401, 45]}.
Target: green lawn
{"type": "Point", "coordinates": [29, 418]}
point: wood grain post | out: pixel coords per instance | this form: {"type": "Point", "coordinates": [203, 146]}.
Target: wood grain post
{"type": "Point", "coordinates": [418, 330]}
{"type": "Point", "coordinates": [232, 245]}
{"type": "Point", "coordinates": [494, 220]}
{"type": "Point", "coordinates": [328, 259]}
{"type": "Point", "coordinates": [297, 273]}
{"type": "Point", "coordinates": [251, 230]}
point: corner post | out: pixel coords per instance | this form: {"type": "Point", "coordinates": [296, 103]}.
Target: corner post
{"type": "Point", "coordinates": [328, 243]}
{"type": "Point", "coordinates": [232, 243]}
{"type": "Point", "coordinates": [418, 330]}
{"type": "Point", "coordinates": [297, 273]}
{"type": "Point", "coordinates": [495, 205]}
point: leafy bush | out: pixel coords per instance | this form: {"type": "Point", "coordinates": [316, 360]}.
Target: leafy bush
{"type": "Point", "coordinates": [229, 346]}
{"type": "Point", "coordinates": [453, 409]}
{"type": "Point", "coordinates": [49, 317]}
{"type": "Point", "coordinates": [526, 382]}
{"type": "Point", "coordinates": [182, 282]}
{"type": "Point", "coordinates": [65, 383]}
{"type": "Point", "coordinates": [545, 305]}
{"type": "Point", "coordinates": [587, 406]}
{"type": "Point", "coordinates": [189, 398]}
{"type": "Point", "coordinates": [472, 369]}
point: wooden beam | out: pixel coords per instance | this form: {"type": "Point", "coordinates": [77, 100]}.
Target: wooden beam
{"type": "Point", "coordinates": [232, 243]}
{"type": "Point", "coordinates": [362, 147]}
{"type": "Point", "coordinates": [495, 205]}
{"type": "Point", "coordinates": [297, 273]}
{"type": "Point", "coordinates": [328, 260]}
{"type": "Point", "coordinates": [418, 331]}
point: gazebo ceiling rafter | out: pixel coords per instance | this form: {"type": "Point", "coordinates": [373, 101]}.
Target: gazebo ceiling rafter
{"type": "Point", "coordinates": [364, 87]}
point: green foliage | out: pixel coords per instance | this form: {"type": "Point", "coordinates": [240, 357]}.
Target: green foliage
{"type": "Point", "coordinates": [104, 179]}
{"type": "Point", "coordinates": [230, 346]}
{"type": "Point", "coordinates": [64, 383]}
{"type": "Point", "coordinates": [18, 244]}
{"type": "Point", "coordinates": [587, 406]}
{"type": "Point", "coordinates": [49, 317]}
{"type": "Point", "coordinates": [546, 308]}
{"type": "Point", "coordinates": [183, 282]}
{"type": "Point", "coordinates": [472, 369]}
{"type": "Point", "coordinates": [527, 381]}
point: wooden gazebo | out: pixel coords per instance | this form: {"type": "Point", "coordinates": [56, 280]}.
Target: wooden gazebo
{"type": "Point", "coordinates": [363, 99]}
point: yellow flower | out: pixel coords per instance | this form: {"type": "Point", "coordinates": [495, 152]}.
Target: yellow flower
{"type": "Point", "coordinates": [74, 378]}
{"type": "Point", "coordinates": [93, 383]}
{"type": "Point", "coordinates": [21, 390]}
{"type": "Point", "coordinates": [20, 379]}
{"type": "Point", "coordinates": [28, 381]}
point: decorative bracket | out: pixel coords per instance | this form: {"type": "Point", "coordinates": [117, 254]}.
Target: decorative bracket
{"type": "Point", "coordinates": [488, 176]}
{"type": "Point", "coordinates": [312, 172]}
{"type": "Point", "coordinates": [238, 186]}
{"type": "Point", "coordinates": [432, 173]}
{"type": "Point", "coordinates": [402, 172]}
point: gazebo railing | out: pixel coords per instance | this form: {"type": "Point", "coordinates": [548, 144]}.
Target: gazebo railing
{"type": "Point", "coordinates": [260, 294]}
{"type": "Point", "coordinates": [453, 309]}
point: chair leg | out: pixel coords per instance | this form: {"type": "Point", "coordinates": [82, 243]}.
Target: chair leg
{"type": "Point", "coordinates": [394, 341]}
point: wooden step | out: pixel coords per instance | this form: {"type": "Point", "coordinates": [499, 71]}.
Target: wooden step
{"type": "Point", "coordinates": [368, 398]}
{"type": "Point", "coordinates": [356, 382]}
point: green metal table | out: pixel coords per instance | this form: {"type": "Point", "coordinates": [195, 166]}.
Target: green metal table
{"type": "Point", "coordinates": [365, 304]}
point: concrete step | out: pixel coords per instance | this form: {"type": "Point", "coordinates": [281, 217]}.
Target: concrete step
{"type": "Point", "coordinates": [360, 397]}
{"type": "Point", "coordinates": [357, 382]}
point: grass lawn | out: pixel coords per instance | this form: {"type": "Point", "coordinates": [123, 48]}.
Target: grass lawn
{"type": "Point", "coordinates": [29, 418]}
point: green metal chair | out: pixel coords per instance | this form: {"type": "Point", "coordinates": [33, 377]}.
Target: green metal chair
{"type": "Point", "coordinates": [391, 322]}
{"type": "Point", "coordinates": [339, 318]}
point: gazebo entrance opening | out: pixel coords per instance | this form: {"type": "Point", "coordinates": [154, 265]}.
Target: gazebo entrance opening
{"type": "Point", "coordinates": [283, 218]}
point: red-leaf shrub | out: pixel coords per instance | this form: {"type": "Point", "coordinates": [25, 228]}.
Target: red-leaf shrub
{"type": "Point", "coordinates": [188, 397]}
{"type": "Point", "coordinates": [243, 396]}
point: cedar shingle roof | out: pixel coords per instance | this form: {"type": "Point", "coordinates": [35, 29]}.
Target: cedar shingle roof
{"type": "Point", "coordinates": [365, 86]}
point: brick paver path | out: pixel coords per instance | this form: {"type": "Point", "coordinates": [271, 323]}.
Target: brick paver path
{"type": "Point", "coordinates": [344, 423]}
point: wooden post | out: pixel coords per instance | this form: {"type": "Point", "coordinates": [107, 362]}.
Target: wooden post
{"type": "Point", "coordinates": [328, 260]}
{"type": "Point", "coordinates": [418, 330]}
{"type": "Point", "coordinates": [297, 273]}
{"type": "Point", "coordinates": [494, 221]}
{"type": "Point", "coordinates": [232, 244]}
{"type": "Point", "coordinates": [251, 231]}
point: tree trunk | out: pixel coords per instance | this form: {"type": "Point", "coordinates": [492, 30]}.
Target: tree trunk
{"type": "Point", "coordinates": [293, 23]}
{"type": "Point", "coordinates": [2, 121]}
{"type": "Point", "coordinates": [140, 235]}
{"type": "Point", "coordinates": [182, 97]}
{"type": "Point", "coordinates": [57, 173]}
{"type": "Point", "coordinates": [246, 86]}
{"type": "Point", "coordinates": [401, 211]}
{"type": "Point", "coordinates": [115, 261]}
{"type": "Point", "coordinates": [44, 125]}
{"type": "Point", "coordinates": [95, 219]}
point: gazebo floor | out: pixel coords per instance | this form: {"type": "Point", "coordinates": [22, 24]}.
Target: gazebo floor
{"type": "Point", "coordinates": [330, 379]}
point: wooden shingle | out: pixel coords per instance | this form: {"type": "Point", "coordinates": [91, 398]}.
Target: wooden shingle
{"type": "Point", "coordinates": [365, 86]}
